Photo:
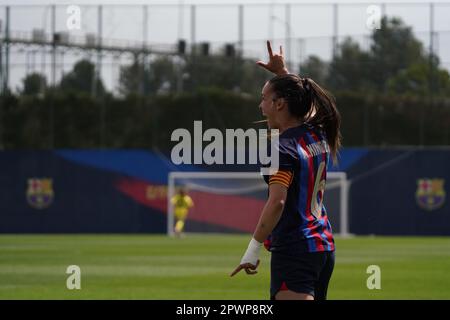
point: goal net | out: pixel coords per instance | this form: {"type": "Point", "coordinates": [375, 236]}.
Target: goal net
{"type": "Point", "coordinates": [231, 202]}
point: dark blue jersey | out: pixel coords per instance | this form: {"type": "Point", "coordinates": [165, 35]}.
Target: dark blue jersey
{"type": "Point", "coordinates": [304, 225]}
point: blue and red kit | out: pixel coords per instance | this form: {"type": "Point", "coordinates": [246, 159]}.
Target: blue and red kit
{"type": "Point", "coordinates": [304, 155]}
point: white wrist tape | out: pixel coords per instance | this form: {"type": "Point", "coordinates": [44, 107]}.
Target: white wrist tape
{"type": "Point", "coordinates": [252, 254]}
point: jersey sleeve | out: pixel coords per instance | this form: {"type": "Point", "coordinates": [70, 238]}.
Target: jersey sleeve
{"type": "Point", "coordinates": [282, 177]}
{"type": "Point", "coordinates": [189, 202]}
{"type": "Point", "coordinates": [286, 163]}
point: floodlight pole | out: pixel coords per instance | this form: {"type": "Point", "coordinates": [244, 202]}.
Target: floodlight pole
{"type": "Point", "coordinates": [193, 40]}
{"type": "Point", "coordinates": [97, 70]}
{"type": "Point", "coordinates": [430, 76]}
{"type": "Point", "coordinates": [53, 31]}
{"type": "Point", "coordinates": [241, 29]}
{"type": "Point", "coordinates": [144, 45]}
{"type": "Point", "coordinates": [5, 73]}
{"type": "Point", "coordinates": [53, 83]}
{"type": "Point", "coordinates": [335, 28]}
{"type": "Point", "coordinates": [288, 36]}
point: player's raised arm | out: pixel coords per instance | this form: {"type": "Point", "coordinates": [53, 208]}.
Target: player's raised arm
{"type": "Point", "coordinates": [276, 63]}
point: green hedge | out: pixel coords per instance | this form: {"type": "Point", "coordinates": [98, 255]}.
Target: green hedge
{"type": "Point", "coordinates": [75, 120]}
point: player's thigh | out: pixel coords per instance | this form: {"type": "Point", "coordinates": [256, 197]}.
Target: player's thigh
{"type": "Point", "coordinates": [291, 295]}
{"type": "Point", "coordinates": [325, 276]}
{"type": "Point", "coordinates": [181, 216]}
{"type": "Point", "coordinates": [293, 274]}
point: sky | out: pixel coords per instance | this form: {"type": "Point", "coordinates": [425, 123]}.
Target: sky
{"type": "Point", "coordinates": [310, 26]}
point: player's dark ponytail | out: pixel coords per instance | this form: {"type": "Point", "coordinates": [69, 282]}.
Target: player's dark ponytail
{"type": "Point", "coordinates": [308, 101]}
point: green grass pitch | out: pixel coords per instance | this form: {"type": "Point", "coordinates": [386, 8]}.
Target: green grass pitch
{"type": "Point", "coordinates": [198, 267]}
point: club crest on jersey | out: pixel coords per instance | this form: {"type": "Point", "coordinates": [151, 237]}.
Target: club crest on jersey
{"type": "Point", "coordinates": [430, 194]}
{"type": "Point", "coordinates": [40, 193]}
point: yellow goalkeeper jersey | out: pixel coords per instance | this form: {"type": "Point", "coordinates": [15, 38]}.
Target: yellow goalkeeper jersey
{"type": "Point", "coordinates": [182, 205]}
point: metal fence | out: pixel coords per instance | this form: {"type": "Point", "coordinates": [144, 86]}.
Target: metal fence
{"type": "Point", "coordinates": [50, 39]}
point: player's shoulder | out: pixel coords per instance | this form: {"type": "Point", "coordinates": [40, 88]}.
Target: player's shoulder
{"type": "Point", "coordinates": [310, 133]}
{"type": "Point", "coordinates": [296, 133]}
{"type": "Point", "coordinates": [289, 139]}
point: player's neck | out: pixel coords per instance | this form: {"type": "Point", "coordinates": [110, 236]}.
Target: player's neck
{"type": "Point", "coordinates": [291, 123]}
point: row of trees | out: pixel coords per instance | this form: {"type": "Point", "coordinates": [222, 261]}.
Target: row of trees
{"type": "Point", "coordinates": [394, 92]}
{"type": "Point", "coordinates": [161, 75]}
{"type": "Point", "coordinates": [67, 120]}
{"type": "Point", "coordinates": [395, 63]}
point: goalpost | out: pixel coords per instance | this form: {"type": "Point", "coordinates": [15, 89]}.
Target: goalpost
{"type": "Point", "coordinates": [232, 201]}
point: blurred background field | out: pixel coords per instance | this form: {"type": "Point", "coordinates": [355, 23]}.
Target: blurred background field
{"type": "Point", "coordinates": [198, 267]}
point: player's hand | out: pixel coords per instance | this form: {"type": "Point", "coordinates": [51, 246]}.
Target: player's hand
{"type": "Point", "coordinates": [276, 62]}
{"type": "Point", "coordinates": [248, 267]}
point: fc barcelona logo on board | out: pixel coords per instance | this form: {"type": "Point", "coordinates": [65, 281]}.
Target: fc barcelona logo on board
{"type": "Point", "coordinates": [430, 194]}
{"type": "Point", "coordinates": [40, 193]}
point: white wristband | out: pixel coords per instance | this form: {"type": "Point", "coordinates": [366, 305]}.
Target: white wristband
{"type": "Point", "coordinates": [252, 254]}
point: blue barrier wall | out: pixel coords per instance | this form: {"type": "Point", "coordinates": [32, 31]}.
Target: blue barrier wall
{"type": "Point", "coordinates": [81, 197]}
{"type": "Point", "coordinates": [393, 191]}
{"type": "Point", "coordinates": [401, 192]}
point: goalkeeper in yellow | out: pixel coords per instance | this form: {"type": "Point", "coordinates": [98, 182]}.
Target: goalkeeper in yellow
{"type": "Point", "coordinates": [182, 203]}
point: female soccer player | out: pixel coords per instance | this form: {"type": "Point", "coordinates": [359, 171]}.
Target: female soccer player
{"type": "Point", "coordinates": [182, 203]}
{"type": "Point", "coordinates": [293, 218]}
